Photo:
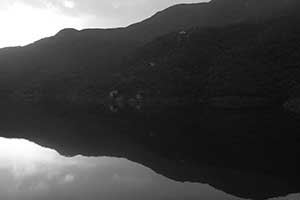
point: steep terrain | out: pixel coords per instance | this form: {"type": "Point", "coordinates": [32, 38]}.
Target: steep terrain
{"type": "Point", "coordinates": [246, 64]}
{"type": "Point", "coordinates": [230, 53]}
{"type": "Point", "coordinates": [82, 65]}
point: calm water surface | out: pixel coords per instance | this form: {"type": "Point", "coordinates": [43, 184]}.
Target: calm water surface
{"type": "Point", "coordinates": [29, 171]}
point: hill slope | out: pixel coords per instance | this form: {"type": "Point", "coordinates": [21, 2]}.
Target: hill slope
{"type": "Point", "coordinates": [75, 61]}
{"type": "Point", "coordinates": [253, 59]}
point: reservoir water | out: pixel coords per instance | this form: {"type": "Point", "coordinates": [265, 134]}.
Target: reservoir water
{"type": "Point", "coordinates": [29, 171]}
{"type": "Point", "coordinates": [87, 155]}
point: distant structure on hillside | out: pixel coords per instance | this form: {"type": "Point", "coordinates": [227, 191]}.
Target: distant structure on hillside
{"type": "Point", "coordinates": [182, 37]}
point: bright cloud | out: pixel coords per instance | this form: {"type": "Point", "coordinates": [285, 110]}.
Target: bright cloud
{"type": "Point", "coordinates": [69, 4]}
{"type": "Point", "coordinates": [22, 23]}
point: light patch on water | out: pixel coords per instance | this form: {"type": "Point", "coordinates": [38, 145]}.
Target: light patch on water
{"type": "Point", "coordinates": [289, 197]}
{"type": "Point", "coordinates": [32, 172]}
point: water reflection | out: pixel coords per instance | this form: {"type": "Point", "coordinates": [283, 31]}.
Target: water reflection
{"type": "Point", "coordinates": [29, 171]}
{"type": "Point", "coordinates": [289, 197]}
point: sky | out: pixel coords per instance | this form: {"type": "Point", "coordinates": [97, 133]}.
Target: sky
{"type": "Point", "coordinates": [25, 21]}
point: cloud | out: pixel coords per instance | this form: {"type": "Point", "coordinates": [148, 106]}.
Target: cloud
{"type": "Point", "coordinates": [69, 4]}
{"type": "Point", "coordinates": [37, 19]}
{"type": "Point", "coordinates": [22, 22]}
{"type": "Point", "coordinates": [103, 13]}
{"type": "Point", "coordinates": [112, 13]}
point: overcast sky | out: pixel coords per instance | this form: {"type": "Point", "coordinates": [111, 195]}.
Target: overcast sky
{"type": "Point", "coordinates": [23, 21]}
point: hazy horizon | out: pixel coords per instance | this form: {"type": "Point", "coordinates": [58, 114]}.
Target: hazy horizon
{"type": "Point", "coordinates": [29, 20]}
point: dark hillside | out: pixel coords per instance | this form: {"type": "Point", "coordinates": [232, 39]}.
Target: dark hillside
{"type": "Point", "coordinates": [248, 59]}
{"type": "Point", "coordinates": [73, 63]}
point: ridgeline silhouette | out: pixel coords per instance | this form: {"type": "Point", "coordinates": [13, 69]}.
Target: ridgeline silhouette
{"type": "Point", "coordinates": [236, 54]}
{"type": "Point", "coordinates": [81, 67]}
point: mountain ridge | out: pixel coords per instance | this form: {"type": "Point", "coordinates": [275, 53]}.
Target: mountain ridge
{"type": "Point", "coordinates": [92, 57]}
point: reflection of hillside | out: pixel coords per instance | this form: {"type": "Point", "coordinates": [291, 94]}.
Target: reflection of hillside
{"type": "Point", "coordinates": [246, 156]}
{"type": "Point", "coordinates": [38, 173]}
